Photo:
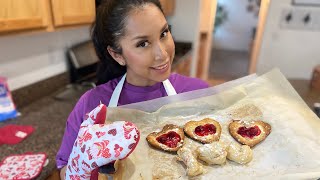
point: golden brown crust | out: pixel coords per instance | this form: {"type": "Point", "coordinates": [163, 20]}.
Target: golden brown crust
{"type": "Point", "coordinates": [152, 138]}
{"type": "Point", "coordinates": [189, 129]}
{"type": "Point", "coordinates": [264, 127]}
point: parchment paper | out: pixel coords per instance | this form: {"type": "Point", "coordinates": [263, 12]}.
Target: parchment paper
{"type": "Point", "coordinates": [291, 151]}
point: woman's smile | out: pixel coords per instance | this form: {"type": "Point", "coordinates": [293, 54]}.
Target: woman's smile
{"type": "Point", "coordinates": [162, 68]}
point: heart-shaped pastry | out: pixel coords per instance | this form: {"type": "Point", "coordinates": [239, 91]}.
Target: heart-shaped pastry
{"type": "Point", "coordinates": [170, 138]}
{"type": "Point", "coordinates": [205, 131]}
{"type": "Point", "coordinates": [249, 132]}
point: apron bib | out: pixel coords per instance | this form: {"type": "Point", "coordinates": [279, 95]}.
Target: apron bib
{"type": "Point", "coordinates": [116, 93]}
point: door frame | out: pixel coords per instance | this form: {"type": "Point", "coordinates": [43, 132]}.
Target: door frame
{"type": "Point", "coordinates": [254, 55]}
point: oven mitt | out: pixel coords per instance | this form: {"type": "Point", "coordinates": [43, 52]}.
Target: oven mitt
{"type": "Point", "coordinates": [22, 167]}
{"type": "Point", "coordinates": [100, 144]}
{"type": "Point", "coordinates": [13, 134]}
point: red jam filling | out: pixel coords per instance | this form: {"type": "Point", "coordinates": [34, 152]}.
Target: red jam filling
{"type": "Point", "coordinates": [205, 130]}
{"type": "Point", "coordinates": [249, 132]}
{"type": "Point", "coordinates": [171, 139]}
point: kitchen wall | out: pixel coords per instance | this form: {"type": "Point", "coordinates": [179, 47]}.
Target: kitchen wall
{"type": "Point", "coordinates": [29, 58]}
{"type": "Point", "coordinates": [295, 52]}
{"type": "Point", "coordinates": [236, 31]}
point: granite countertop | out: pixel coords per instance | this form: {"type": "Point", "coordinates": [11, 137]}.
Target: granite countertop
{"type": "Point", "coordinates": [48, 117]}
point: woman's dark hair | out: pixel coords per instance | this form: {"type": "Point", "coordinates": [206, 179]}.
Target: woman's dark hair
{"type": "Point", "coordinates": [106, 31]}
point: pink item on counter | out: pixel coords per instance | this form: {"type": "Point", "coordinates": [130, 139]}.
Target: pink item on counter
{"type": "Point", "coordinates": [22, 167]}
{"type": "Point", "coordinates": [14, 134]}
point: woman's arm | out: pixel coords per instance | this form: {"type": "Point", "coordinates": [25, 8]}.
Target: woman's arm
{"type": "Point", "coordinates": [63, 173]}
{"type": "Point", "coordinates": [70, 134]}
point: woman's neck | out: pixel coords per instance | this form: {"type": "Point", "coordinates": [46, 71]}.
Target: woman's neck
{"type": "Point", "coordinates": [136, 80]}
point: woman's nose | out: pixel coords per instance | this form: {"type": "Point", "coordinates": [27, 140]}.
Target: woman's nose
{"type": "Point", "coordinates": [160, 52]}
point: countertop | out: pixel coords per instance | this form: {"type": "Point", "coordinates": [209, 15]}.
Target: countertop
{"type": "Point", "coordinates": [48, 116]}
{"type": "Point", "coordinates": [308, 94]}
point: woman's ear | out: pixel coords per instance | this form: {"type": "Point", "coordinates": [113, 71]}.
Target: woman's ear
{"type": "Point", "coordinates": [116, 56]}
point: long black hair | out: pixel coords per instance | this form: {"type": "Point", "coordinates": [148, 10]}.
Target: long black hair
{"type": "Point", "coordinates": [107, 29]}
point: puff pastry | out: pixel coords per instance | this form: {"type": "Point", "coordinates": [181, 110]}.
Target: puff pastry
{"type": "Point", "coordinates": [194, 168]}
{"type": "Point", "coordinates": [249, 132]}
{"type": "Point", "coordinates": [241, 154]}
{"type": "Point", "coordinates": [170, 138]}
{"type": "Point", "coordinates": [205, 131]}
{"type": "Point", "coordinates": [214, 153]}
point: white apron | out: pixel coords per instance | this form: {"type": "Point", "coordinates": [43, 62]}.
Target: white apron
{"type": "Point", "coordinates": [116, 93]}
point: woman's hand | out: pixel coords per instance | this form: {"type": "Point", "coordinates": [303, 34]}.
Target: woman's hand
{"type": "Point", "coordinates": [100, 144]}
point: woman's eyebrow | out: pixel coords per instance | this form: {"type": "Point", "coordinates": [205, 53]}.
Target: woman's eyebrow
{"type": "Point", "coordinates": [145, 37]}
{"type": "Point", "coordinates": [164, 27]}
{"type": "Point", "coordinates": [140, 37]}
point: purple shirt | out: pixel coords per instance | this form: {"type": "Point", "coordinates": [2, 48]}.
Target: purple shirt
{"type": "Point", "coordinates": [129, 94]}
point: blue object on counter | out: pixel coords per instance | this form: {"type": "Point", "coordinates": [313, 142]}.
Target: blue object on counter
{"type": "Point", "coordinates": [7, 107]}
{"type": "Point", "coordinates": [10, 115]}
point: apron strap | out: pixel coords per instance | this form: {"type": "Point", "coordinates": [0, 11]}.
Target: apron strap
{"type": "Point", "coordinates": [117, 91]}
{"type": "Point", "coordinates": [169, 88]}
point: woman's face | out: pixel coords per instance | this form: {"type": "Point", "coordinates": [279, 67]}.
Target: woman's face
{"type": "Point", "coordinates": [147, 47]}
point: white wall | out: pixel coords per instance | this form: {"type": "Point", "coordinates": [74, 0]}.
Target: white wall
{"type": "Point", "coordinates": [185, 20]}
{"type": "Point", "coordinates": [236, 32]}
{"type": "Point", "coordinates": [295, 52]}
{"type": "Point", "coordinates": [29, 58]}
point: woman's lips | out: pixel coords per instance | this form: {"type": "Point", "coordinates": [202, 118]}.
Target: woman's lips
{"type": "Point", "coordinates": [161, 68]}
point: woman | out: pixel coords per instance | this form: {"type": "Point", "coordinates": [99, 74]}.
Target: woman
{"type": "Point", "coordinates": [136, 50]}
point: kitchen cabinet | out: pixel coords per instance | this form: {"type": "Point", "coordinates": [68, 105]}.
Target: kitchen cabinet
{"type": "Point", "coordinates": [21, 15]}
{"type": "Point", "coordinates": [168, 6]}
{"type": "Point", "coordinates": [18, 15]}
{"type": "Point", "coordinates": [71, 12]}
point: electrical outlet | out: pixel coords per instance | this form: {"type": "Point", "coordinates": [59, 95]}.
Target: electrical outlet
{"type": "Point", "coordinates": [300, 18]}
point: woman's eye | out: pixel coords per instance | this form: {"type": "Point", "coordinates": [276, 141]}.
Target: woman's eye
{"type": "Point", "coordinates": [164, 33]}
{"type": "Point", "coordinates": [143, 44]}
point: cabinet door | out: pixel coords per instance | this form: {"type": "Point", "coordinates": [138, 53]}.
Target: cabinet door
{"type": "Point", "coordinates": [70, 12]}
{"type": "Point", "coordinates": [21, 14]}
{"type": "Point", "coordinates": [168, 6]}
